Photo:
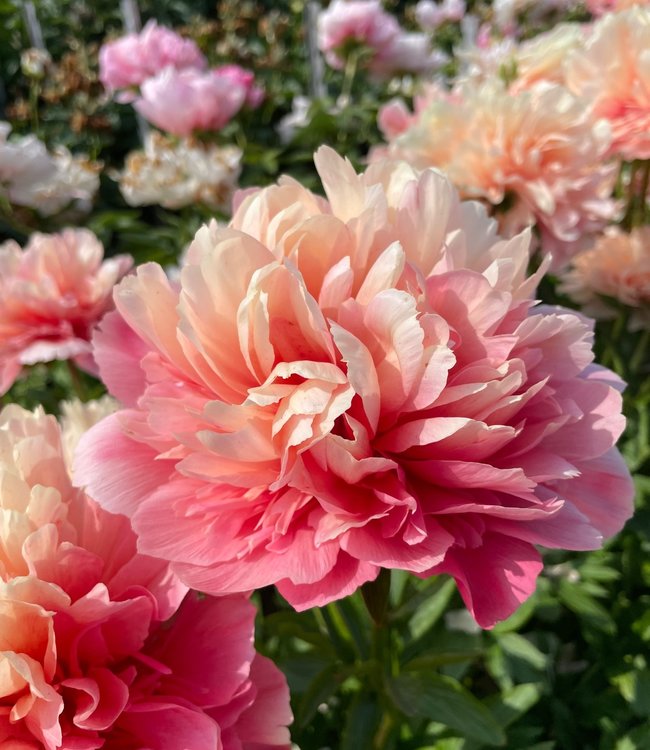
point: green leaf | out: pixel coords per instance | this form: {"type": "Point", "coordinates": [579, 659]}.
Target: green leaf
{"type": "Point", "coordinates": [431, 609]}
{"type": "Point", "coordinates": [521, 648]}
{"type": "Point", "coordinates": [584, 605]}
{"type": "Point", "coordinates": [511, 704]}
{"type": "Point", "coordinates": [635, 688]}
{"type": "Point", "coordinates": [363, 719]}
{"type": "Point", "coordinates": [320, 691]}
{"type": "Point", "coordinates": [443, 699]}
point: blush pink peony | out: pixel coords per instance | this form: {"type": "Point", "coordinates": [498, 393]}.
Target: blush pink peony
{"type": "Point", "coordinates": [346, 384]}
{"type": "Point", "coordinates": [52, 294]}
{"type": "Point", "coordinates": [612, 70]}
{"type": "Point", "coordinates": [362, 22]}
{"type": "Point", "coordinates": [128, 61]}
{"type": "Point", "coordinates": [244, 79]}
{"type": "Point", "coordinates": [183, 101]}
{"type": "Point", "coordinates": [86, 661]}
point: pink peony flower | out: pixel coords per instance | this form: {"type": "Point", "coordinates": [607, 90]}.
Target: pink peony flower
{"type": "Point", "coordinates": [408, 53]}
{"type": "Point", "coordinates": [53, 293]}
{"type": "Point", "coordinates": [539, 148]}
{"type": "Point", "coordinates": [612, 71]}
{"type": "Point", "coordinates": [356, 383]}
{"type": "Point", "coordinates": [131, 59]}
{"type": "Point", "coordinates": [86, 661]}
{"type": "Point", "coordinates": [245, 79]}
{"type": "Point", "coordinates": [431, 14]}
{"type": "Point", "coordinates": [617, 266]}
{"type": "Point", "coordinates": [362, 22]}
{"type": "Point", "coordinates": [181, 102]}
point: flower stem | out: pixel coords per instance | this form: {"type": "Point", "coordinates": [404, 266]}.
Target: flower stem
{"type": "Point", "coordinates": [76, 381]}
{"type": "Point", "coordinates": [348, 79]}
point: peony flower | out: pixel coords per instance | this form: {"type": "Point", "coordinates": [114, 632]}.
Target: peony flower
{"type": "Point", "coordinates": [612, 71]}
{"type": "Point", "coordinates": [24, 164]}
{"type": "Point", "coordinates": [53, 293]}
{"type": "Point", "coordinates": [131, 59]}
{"type": "Point", "coordinates": [176, 174]}
{"type": "Point", "coordinates": [353, 383]}
{"type": "Point", "coordinates": [245, 79]}
{"type": "Point", "coordinates": [360, 22]}
{"type": "Point", "coordinates": [86, 660]}
{"type": "Point", "coordinates": [181, 102]}
{"type": "Point", "coordinates": [540, 149]}
{"type": "Point", "coordinates": [618, 267]}
{"type": "Point", "coordinates": [408, 53]}
{"type": "Point", "coordinates": [430, 15]}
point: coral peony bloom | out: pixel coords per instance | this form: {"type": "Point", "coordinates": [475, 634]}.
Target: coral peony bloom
{"type": "Point", "coordinates": [618, 266]}
{"type": "Point", "coordinates": [539, 149]}
{"type": "Point", "coordinates": [612, 71]}
{"type": "Point", "coordinates": [86, 661]}
{"type": "Point", "coordinates": [350, 384]}
{"type": "Point", "coordinates": [181, 102]}
{"type": "Point", "coordinates": [53, 293]}
{"type": "Point", "coordinates": [131, 59]}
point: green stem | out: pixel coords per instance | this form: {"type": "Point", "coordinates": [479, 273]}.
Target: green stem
{"type": "Point", "coordinates": [330, 621]}
{"type": "Point", "coordinates": [348, 78]}
{"type": "Point", "coordinates": [628, 219]}
{"type": "Point", "coordinates": [380, 741]}
{"type": "Point", "coordinates": [34, 91]}
{"type": "Point", "coordinates": [640, 351]}
{"type": "Point", "coordinates": [643, 193]}
{"type": "Point", "coordinates": [76, 380]}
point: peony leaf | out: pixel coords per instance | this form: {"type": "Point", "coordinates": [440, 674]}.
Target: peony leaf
{"type": "Point", "coordinates": [443, 699]}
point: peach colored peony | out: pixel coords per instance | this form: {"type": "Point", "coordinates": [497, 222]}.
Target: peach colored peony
{"type": "Point", "coordinates": [85, 661]}
{"type": "Point", "coordinates": [353, 383]}
{"type": "Point", "coordinates": [52, 294]}
{"type": "Point", "coordinates": [612, 70]}
{"type": "Point", "coordinates": [131, 59]}
{"type": "Point", "coordinates": [183, 101]}
{"type": "Point", "coordinates": [618, 266]}
{"type": "Point", "coordinates": [539, 150]}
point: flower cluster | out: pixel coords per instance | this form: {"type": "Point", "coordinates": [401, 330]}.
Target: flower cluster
{"type": "Point", "coordinates": [174, 175]}
{"type": "Point", "coordinates": [53, 292]}
{"type": "Point", "coordinates": [32, 177]}
{"type": "Point", "coordinates": [166, 78]}
{"type": "Point", "coordinates": [87, 661]}
{"type": "Point", "coordinates": [538, 155]}
{"type": "Point", "coordinates": [343, 385]}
